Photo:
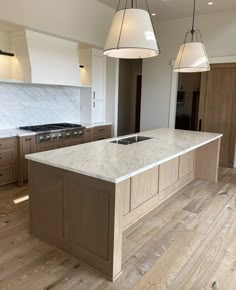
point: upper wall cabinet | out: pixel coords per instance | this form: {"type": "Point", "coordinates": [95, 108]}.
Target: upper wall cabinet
{"type": "Point", "coordinates": [40, 59]}
{"type": "Point", "coordinates": [93, 72]}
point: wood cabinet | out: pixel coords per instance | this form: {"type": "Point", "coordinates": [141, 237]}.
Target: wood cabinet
{"type": "Point", "coordinates": [101, 132]}
{"type": "Point", "coordinates": [88, 135]}
{"type": "Point", "coordinates": [59, 144]}
{"type": "Point", "coordinates": [186, 163]}
{"type": "Point", "coordinates": [143, 187]}
{"type": "Point", "coordinates": [218, 107]}
{"type": "Point", "coordinates": [48, 146]}
{"type": "Point", "coordinates": [168, 173]}
{"type": "Point", "coordinates": [8, 160]}
{"type": "Point", "coordinates": [85, 216]}
{"type": "Point", "coordinates": [26, 145]}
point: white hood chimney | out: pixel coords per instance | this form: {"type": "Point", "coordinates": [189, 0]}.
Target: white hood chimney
{"type": "Point", "coordinates": [53, 60]}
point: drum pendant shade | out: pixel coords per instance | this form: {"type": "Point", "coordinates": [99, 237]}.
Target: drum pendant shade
{"type": "Point", "coordinates": [192, 56]}
{"type": "Point", "coordinates": [131, 35]}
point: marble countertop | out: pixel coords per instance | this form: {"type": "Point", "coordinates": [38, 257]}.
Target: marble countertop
{"type": "Point", "coordinates": [7, 133]}
{"type": "Point", "coordinates": [115, 162]}
{"type": "Point", "coordinates": [90, 125]}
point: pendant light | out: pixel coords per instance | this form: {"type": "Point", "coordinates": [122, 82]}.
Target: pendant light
{"type": "Point", "coordinates": [132, 34]}
{"type": "Point", "coordinates": [192, 56]}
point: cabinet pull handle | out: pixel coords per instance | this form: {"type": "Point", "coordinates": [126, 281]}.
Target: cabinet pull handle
{"type": "Point", "coordinates": [28, 139]}
{"type": "Point", "coordinates": [200, 125]}
{"type": "Point", "coordinates": [101, 130]}
{"type": "Point", "coordinates": [94, 104]}
{"type": "Point", "coordinates": [0, 174]}
{"type": "Point", "coordinates": [94, 95]}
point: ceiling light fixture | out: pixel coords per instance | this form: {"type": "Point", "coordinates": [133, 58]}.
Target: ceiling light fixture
{"type": "Point", "coordinates": [210, 3]}
{"type": "Point", "coordinates": [192, 56]}
{"type": "Point", "coordinates": [153, 14]}
{"type": "Point", "coordinates": [132, 34]}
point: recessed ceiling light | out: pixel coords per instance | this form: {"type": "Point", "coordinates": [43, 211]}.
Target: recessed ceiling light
{"type": "Point", "coordinates": [210, 3]}
{"type": "Point", "coordinates": [154, 14]}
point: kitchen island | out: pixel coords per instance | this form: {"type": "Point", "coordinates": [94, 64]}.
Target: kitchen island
{"type": "Point", "coordinates": [83, 197]}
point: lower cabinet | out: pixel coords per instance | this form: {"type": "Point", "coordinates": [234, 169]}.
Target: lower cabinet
{"type": "Point", "coordinates": [88, 135]}
{"type": "Point", "coordinates": [26, 145]}
{"type": "Point", "coordinates": [186, 163]}
{"type": "Point", "coordinates": [101, 132]}
{"type": "Point", "coordinates": [146, 190]}
{"type": "Point", "coordinates": [169, 173]}
{"type": "Point", "coordinates": [144, 186]}
{"type": "Point", "coordinates": [8, 160]}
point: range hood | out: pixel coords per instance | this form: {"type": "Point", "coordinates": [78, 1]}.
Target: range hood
{"type": "Point", "coordinates": [44, 59]}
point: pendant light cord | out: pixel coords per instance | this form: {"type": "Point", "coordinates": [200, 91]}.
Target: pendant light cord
{"type": "Point", "coordinates": [193, 23]}
{"type": "Point", "coordinates": [118, 6]}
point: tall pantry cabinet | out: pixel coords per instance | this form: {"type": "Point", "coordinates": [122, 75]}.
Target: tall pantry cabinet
{"type": "Point", "coordinates": [93, 82]}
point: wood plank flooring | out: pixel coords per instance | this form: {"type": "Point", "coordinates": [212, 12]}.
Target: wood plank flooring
{"type": "Point", "coordinates": [188, 244]}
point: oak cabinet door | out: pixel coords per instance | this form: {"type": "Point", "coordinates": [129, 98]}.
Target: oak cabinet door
{"type": "Point", "coordinates": [143, 187]}
{"type": "Point", "coordinates": [169, 172]}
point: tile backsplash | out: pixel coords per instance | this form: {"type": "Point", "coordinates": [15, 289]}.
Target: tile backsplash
{"type": "Point", "coordinates": [28, 104]}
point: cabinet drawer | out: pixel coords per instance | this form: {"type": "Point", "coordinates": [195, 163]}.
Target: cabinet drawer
{"type": "Point", "coordinates": [7, 175]}
{"type": "Point", "coordinates": [47, 147]}
{"type": "Point", "coordinates": [7, 143]}
{"type": "Point", "coordinates": [73, 142]}
{"type": "Point", "coordinates": [7, 157]}
{"type": "Point", "coordinates": [101, 137]}
{"type": "Point", "coordinates": [100, 130]}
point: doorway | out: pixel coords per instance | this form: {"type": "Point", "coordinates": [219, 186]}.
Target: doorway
{"type": "Point", "coordinates": [187, 103]}
{"type": "Point", "coordinates": [213, 107]}
{"type": "Point", "coordinates": [129, 96]}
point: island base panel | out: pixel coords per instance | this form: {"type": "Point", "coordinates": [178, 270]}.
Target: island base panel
{"type": "Point", "coordinates": [207, 161]}
{"type": "Point", "coordinates": [85, 216]}
{"type": "Point", "coordinates": [78, 214]}
{"type": "Point", "coordinates": [160, 198]}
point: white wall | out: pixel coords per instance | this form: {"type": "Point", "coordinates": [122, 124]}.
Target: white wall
{"type": "Point", "coordinates": [81, 20]}
{"type": "Point", "coordinates": [218, 33]}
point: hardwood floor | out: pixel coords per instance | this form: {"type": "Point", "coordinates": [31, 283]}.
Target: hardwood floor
{"type": "Point", "coordinates": [188, 244]}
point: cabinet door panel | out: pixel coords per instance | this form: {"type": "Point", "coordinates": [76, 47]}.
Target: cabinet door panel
{"type": "Point", "coordinates": [7, 175]}
{"type": "Point", "coordinates": [168, 173]}
{"type": "Point", "coordinates": [143, 187]}
{"type": "Point", "coordinates": [102, 130]}
{"type": "Point", "coordinates": [7, 143]}
{"type": "Point", "coordinates": [98, 112]}
{"type": "Point", "coordinates": [220, 95]}
{"type": "Point", "coordinates": [88, 229]}
{"type": "Point", "coordinates": [186, 163]}
{"type": "Point", "coordinates": [98, 77]}
{"type": "Point", "coordinates": [89, 135]}
{"type": "Point", "coordinates": [7, 157]}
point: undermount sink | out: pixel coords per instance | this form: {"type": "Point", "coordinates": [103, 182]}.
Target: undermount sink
{"type": "Point", "coordinates": [130, 140]}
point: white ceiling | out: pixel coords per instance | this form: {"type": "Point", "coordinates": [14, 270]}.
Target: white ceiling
{"type": "Point", "coordinates": [171, 9]}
